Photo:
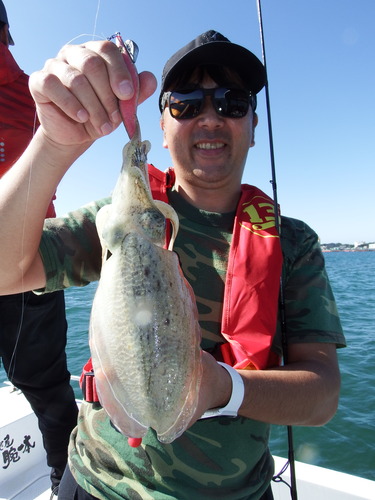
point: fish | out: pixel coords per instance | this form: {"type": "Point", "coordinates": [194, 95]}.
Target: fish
{"type": "Point", "coordinates": [144, 332]}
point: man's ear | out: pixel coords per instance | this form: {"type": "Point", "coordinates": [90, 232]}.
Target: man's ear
{"type": "Point", "coordinates": [4, 35]}
{"type": "Point", "coordinates": [165, 144]}
{"type": "Point", "coordinates": [255, 123]}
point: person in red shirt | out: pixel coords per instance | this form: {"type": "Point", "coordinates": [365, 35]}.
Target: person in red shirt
{"type": "Point", "coordinates": [33, 327]}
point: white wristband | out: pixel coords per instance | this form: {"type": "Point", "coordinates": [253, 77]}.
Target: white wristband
{"type": "Point", "coordinates": [238, 392]}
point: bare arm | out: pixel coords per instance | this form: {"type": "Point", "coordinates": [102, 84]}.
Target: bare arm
{"type": "Point", "coordinates": [25, 193]}
{"type": "Point", "coordinates": [305, 392]}
{"type": "Point", "coordinates": [76, 96]}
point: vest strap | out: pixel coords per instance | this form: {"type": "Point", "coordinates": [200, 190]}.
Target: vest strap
{"type": "Point", "coordinates": [87, 383]}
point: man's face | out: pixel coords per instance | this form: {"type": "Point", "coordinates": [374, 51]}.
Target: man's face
{"type": "Point", "coordinates": [208, 151]}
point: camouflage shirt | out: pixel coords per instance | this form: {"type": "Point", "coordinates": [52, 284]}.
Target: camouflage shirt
{"type": "Point", "coordinates": [222, 458]}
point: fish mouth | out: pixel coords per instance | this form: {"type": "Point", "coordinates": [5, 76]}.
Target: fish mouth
{"type": "Point", "coordinates": [138, 158]}
{"type": "Point", "coordinates": [139, 155]}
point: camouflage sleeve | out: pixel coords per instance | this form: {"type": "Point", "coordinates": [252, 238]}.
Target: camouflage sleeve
{"type": "Point", "coordinates": [310, 309]}
{"type": "Point", "coordinates": [70, 248]}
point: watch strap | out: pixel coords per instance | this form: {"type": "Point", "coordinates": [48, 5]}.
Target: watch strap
{"type": "Point", "coordinates": [235, 401]}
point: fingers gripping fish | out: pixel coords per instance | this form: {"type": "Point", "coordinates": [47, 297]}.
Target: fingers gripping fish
{"type": "Point", "coordinates": [144, 330]}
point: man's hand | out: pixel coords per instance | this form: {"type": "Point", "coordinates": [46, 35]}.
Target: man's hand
{"type": "Point", "coordinates": [77, 92]}
{"type": "Point", "coordinates": [216, 387]}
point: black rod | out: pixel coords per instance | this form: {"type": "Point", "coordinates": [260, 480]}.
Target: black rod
{"type": "Point", "coordinates": [291, 458]}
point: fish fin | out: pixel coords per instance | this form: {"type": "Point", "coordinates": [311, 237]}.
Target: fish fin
{"type": "Point", "coordinates": [169, 213]}
{"type": "Point", "coordinates": [100, 221]}
{"type": "Point", "coordinates": [182, 422]}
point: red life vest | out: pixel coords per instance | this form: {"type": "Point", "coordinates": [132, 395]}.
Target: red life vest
{"type": "Point", "coordinates": [253, 277]}
{"type": "Point", "coordinates": [18, 120]}
{"type": "Point", "coordinates": [252, 282]}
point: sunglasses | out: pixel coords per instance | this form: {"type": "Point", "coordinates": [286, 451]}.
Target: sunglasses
{"type": "Point", "coordinates": [187, 104]}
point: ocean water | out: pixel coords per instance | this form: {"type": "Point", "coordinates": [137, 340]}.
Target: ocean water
{"type": "Point", "coordinates": [347, 442]}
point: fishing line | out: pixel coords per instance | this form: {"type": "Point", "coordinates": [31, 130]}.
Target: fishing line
{"type": "Point", "coordinates": [96, 16]}
{"type": "Point", "coordinates": [93, 34]}
{"type": "Point", "coordinates": [12, 362]}
{"type": "Point", "coordinates": [291, 458]}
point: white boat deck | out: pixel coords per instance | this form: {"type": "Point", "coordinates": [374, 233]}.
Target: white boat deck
{"type": "Point", "coordinates": [24, 474]}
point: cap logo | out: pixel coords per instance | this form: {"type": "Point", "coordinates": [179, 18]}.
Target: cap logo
{"type": "Point", "coordinates": [213, 36]}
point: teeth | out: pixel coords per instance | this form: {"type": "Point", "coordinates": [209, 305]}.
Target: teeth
{"type": "Point", "coordinates": [210, 145]}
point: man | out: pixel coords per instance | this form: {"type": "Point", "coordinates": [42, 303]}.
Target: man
{"type": "Point", "coordinates": [33, 328]}
{"type": "Point", "coordinates": [208, 100]}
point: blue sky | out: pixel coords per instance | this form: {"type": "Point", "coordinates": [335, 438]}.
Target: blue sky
{"type": "Point", "coordinates": [320, 59]}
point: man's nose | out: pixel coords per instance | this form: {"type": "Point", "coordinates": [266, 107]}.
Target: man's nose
{"type": "Point", "coordinates": [208, 113]}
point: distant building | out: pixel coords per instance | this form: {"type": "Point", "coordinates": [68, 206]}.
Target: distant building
{"type": "Point", "coordinates": [359, 244]}
{"type": "Point", "coordinates": [340, 247]}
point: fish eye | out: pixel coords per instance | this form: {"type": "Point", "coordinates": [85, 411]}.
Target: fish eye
{"type": "Point", "coordinates": [153, 224]}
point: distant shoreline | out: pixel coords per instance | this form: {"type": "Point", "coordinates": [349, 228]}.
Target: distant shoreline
{"type": "Point", "coordinates": [330, 250]}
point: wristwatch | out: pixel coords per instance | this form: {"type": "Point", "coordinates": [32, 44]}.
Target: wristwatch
{"type": "Point", "coordinates": [235, 401]}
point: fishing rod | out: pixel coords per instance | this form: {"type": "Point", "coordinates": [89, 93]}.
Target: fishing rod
{"type": "Point", "coordinates": [291, 458]}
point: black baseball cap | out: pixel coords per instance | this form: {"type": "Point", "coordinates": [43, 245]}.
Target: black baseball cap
{"type": "Point", "coordinates": [4, 19]}
{"type": "Point", "coordinates": [212, 47]}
